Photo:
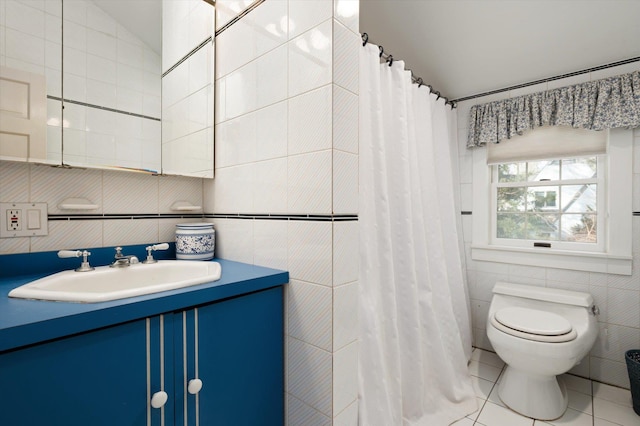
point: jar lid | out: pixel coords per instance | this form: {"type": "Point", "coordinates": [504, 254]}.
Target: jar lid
{"type": "Point", "coordinates": [199, 225]}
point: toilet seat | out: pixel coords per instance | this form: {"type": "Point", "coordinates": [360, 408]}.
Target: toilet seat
{"type": "Point", "coordinates": [533, 324]}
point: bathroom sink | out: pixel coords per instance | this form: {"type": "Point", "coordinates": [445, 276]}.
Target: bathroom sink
{"type": "Point", "coordinates": [105, 283]}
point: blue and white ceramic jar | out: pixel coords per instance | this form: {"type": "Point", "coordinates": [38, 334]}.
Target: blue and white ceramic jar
{"type": "Point", "coordinates": [195, 241]}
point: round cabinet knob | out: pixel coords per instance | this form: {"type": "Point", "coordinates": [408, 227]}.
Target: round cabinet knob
{"type": "Point", "coordinates": [194, 386]}
{"type": "Point", "coordinates": [159, 399]}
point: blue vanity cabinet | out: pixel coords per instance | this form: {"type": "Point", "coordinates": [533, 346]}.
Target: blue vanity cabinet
{"type": "Point", "coordinates": [235, 349]}
{"type": "Point", "coordinates": [219, 363]}
{"type": "Point", "coordinates": [95, 378]}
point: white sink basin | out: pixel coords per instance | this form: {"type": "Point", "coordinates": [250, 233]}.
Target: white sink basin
{"type": "Point", "coordinates": [105, 283]}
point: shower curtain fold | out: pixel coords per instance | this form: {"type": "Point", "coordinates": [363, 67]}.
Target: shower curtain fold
{"type": "Point", "coordinates": [415, 332]}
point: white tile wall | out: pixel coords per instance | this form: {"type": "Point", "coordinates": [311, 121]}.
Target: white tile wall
{"type": "Point", "coordinates": [310, 118]}
{"type": "Point", "coordinates": [259, 32]}
{"type": "Point", "coordinates": [309, 310]}
{"type": "Point", "coordinates": [310, 59]}
{"type": "Point", "coordinates": [301, 414]}
{"type": "Point", "coordinates": [617, 296]}
{"type": "Point", "coordinates": [287, 143]}
{"type": "Point", "coordinates": [113, 192]}
{"type": "Point", "coordinates": [310, 183]}
{"type": "Point", "coordinates": [309, 375]}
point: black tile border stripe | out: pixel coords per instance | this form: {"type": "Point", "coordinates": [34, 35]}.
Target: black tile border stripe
{"type": "Point", "coordinates": [104, 108]}
{"type": "Point", "coordinates": [257, 216]}
{"type": "Point", "coordinates": [268, 216]}
{"type": "Point", "coordinates": [70, 217]}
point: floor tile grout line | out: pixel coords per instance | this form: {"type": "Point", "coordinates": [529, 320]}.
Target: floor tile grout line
{"type": "Point", "coordinates": [490, 391]}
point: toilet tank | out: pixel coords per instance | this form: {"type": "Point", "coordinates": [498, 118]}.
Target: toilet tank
{"type": "Point", "coordinates": [553, 295]}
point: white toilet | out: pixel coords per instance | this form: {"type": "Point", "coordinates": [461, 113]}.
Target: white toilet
{"type": "Point", "coordinates": [539, 333]}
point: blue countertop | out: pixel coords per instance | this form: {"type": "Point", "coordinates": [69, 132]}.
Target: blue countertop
{"type": "Point", "coordinates": [26, 322]}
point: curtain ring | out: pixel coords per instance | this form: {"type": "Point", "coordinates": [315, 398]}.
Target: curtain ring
{"type": "Point", "coordinates": [420, 82]}
{"type": "Point", "coordinates": [390, 60]}
{"type": "Point", "coordinates": [365, 39]}
{"type": "Point", "coordinates": [381, 49]}
{"type": "Point", "coordinates": [437, 94]}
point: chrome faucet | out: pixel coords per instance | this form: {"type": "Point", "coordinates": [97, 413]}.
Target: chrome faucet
{"type": "Point", "coordinates": [122, 260]}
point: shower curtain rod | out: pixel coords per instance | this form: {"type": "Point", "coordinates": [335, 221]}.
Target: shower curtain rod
{"type": "Point", "coordinates": [417, 80]}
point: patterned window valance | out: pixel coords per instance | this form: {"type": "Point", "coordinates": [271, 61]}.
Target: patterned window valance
{"type": "Point", "coordinates": [595, 105]}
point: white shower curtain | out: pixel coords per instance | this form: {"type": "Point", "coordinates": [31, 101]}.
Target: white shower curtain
{"type": "Point", "coordinates": [415, 332]}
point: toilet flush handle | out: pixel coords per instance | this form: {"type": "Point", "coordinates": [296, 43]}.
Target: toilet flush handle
{"type": "Point", "coordinates": [595, 310]}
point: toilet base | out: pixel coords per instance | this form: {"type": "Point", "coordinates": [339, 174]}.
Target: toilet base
{"type": "Point", "coordinates": [535, 396]}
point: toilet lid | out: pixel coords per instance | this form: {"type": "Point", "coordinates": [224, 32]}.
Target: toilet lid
{"type": "Point", "coordinates": [533, 324]}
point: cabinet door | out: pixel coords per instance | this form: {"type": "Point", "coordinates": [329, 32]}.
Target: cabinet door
{"type": "Point", "coordinates": [95, 378]}
{"type": "Point", "coordinates": [240, 360]}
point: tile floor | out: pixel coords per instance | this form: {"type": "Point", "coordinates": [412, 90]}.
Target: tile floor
{"type": "Point", "coordinates": [590, 403]}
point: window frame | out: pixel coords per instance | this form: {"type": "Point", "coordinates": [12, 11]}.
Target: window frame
{"type": "Point", "coordinates": [615, 256]}
{"type": "Point", "coordinates": [600, 181]}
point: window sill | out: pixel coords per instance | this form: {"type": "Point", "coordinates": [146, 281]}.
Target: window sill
{"type": "Point", "coordinates": [549, 258]}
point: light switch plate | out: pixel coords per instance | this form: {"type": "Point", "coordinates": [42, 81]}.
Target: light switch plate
{"type": "Point", "coordinates": [23, 220]}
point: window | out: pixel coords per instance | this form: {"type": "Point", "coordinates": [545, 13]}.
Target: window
{"type": "Point", "coordinates": [550, 203]}
{"type": "Point", "coordinates": [544, 200]}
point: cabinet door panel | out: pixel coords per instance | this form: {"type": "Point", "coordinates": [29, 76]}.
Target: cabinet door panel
{"type": "Point", "coordinates": [241, 361]}
{"type": "Point", "coordinates": [96, 378]}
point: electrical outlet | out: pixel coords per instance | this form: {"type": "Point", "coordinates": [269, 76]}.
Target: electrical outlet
{"type": "Point", "coordinates": [23, 220]}
{"type": "Point", "coordinates": [14, 220]}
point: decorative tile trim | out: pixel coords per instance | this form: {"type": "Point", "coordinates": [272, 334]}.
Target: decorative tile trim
{"type": "Point", "coordinates": [636, 213]}
{"type": "Point", "coordinates": [115, 216]}
{"type": "Point", "coordinates": [118, 111]}
{"type": "Point", "coordinates": [268, 216]}
{"type": "Point", "coordinates": [260, 216]}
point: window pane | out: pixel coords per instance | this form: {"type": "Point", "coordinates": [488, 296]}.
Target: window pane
{"type": "Point", "coordinates": [579, 228]}
{"type": "Point", "coordinates": [512, 172]}
{"type": "Point", "coordinates": [579, 198]}
{"type": "Point", "coordinates": [511, 225]}
{"type": "Point", "coordinates": [543, 199]}
{"type": "Point", "coordinates": [543, 226]}
{"type": "Point", "coordinates": [511, 199]}
{"type": "Point", "coordinates": [543, 170]}
{"type": "Point", "coordinates": [580, 168]}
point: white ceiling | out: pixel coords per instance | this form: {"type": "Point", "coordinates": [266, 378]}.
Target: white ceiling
{"type": "Point", "coordinates": [466, 47]}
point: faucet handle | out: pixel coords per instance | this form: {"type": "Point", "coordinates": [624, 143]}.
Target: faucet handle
{"type": "Point", "coordinates": [161, 246]}
{"type": "Point", "coordinates": [118, 251]}
{"type": "Point", "coordinates": [69, 253]}
{"type": "Point", "coordinates": [84, 266]}
{"type": "Point", "coordinates": [150, 259]}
